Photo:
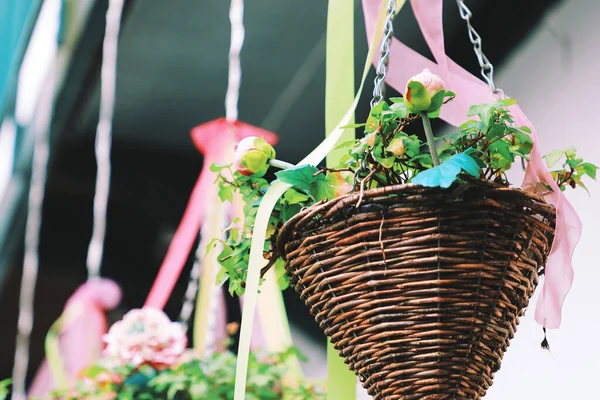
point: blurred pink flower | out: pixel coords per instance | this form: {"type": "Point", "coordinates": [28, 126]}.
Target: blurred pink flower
{"type": "Point", "coordinates": [146, 336]}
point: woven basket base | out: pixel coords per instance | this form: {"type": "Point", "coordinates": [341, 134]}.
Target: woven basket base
{"type": "Point", "coordinates": [420, 289]}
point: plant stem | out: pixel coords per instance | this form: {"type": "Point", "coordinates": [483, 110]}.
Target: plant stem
{"type": "Point", "coordinates": [430, 141]}
{"type": "Point", "coordinates": [281, 164]}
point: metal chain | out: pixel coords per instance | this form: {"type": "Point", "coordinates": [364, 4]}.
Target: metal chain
{"type": "Point", "coordinates": [104, 136]}
{"type": "Point", "coordinates": [381, 71]}
{"type": "Point", "coordinates": [487, 69]}
{"type": "Point", "coordinates": [364, 170]}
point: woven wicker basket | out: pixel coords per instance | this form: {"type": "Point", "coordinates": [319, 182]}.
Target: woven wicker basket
{"type": "Point", "coordinates": [420, 289]}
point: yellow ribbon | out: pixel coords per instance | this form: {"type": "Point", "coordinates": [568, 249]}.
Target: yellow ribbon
{"type": "Point", "coordinates": [339, 93]}
{"type": "Point", "coordinates": [52, 346]}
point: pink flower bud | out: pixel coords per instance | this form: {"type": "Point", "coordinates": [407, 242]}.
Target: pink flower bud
{"type": "Point", "coordinates": [420, 89]}
{"type": "Point", "coordinates": [252, 156]}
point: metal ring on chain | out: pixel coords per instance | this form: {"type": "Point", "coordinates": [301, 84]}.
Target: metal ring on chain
{"type": "Point", "coordinates": [487, 69]}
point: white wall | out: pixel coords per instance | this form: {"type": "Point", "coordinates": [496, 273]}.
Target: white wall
{"type": "Point", "coordinates": [555, 77]}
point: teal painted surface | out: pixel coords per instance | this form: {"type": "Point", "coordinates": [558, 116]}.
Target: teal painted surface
{"type": "Point", "coordinates": [14, 15]}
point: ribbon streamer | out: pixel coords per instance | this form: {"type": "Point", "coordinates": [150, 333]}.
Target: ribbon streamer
{"type": "Point", "coordinates": [405, 62]}
{"type": "Point", "coordinates": [209, 138]}
{"type": "Point", "coordinates": [265, 209]}
{"type": "Point", "coordinates": [82, 343]}
{"type": "Point", "coordinates": [339, 92]}
{"type": "Point", "coordinates": [75, 340]}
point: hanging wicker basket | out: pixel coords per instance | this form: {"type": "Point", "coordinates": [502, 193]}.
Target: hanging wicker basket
{"type": "Point", "coordinates": [420, 289]}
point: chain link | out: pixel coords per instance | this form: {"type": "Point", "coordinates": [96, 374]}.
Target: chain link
{"type": "Point", "coordinates": [381, 71]}
{"type": "Point", "coordinates": [487, 69]}
{"type": "Point", "coordinates": [364, 170]}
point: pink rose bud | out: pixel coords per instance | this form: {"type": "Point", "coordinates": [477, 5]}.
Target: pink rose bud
{"type": "Point", "coordinates": [420, 89]}
{"type": "Point", "coordinates": [396, 147]}
{"type": "Point", "coordinates": [252, 156]}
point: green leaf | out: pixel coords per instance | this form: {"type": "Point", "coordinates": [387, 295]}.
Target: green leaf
{"type": "Point", "coordinates": [496, 131]}
{"type": "Point", "coordinates": [300, 177]}
{"type": "Point", "coordinates": [225, 192]}
{"type": "Point", "coordinates": [571, 152]}
{"type": "Point", "coordinates": [525, 129]}
{"type": "Point", "coordinates": [484, 111]}
{"type": "Point", "coordinates": [387, 162]}
{"type": "Point", "coordinates": [553, 157]}
{"type": "Point", "coordinates": [470, 124]}
{"type": "Point", "coordinates": [412, 145]}
{"type": "Point", "coordinates": [525, 142]}
{"type": "Point", "coordinates": [352, 126]}
{"type": "Point", "coordinates": [578, 181]}
{"type": "Point", "coordinates": [573, 163]}
{"type": "Point", "coordinates": [507, 102]}
{"type": "Point", "coordinates": [379, 108]}
{"type": "Point", "coordinates": [437, 100]}
{"type": "Point", "coordinates": [434, 114]}
{"type": "Point", "coordinates": [420, 99]}
{"type": "Point", "coordinates": [397, 99]}
{"type": "Point", "coordinates": [216, 167]}
{"type": "Point", "coordinates": [292, 196]}
{"type": "Point", "coordinates": [399, 109]}
{"type": "Point", "coordinates": [446, 173]}
{"type": "Point", "coordinates": [590, 169]}
{"type": "Point", "coordinates": [4, 384]}
{"type": "Point", "coordinates": [502, 148]}
{"type": "Point", "coordinates": [424, 158]}
{"type": "Point", "coordinates": [322, 189]}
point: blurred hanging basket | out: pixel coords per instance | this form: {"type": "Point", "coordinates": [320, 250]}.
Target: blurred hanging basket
{"type": "Point", "coordinates": [421, 289]}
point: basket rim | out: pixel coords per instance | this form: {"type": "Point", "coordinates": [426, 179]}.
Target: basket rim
{"type": "Point", "coordinates": [535, 201]}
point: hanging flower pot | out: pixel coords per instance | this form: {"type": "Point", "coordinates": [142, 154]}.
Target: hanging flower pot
{"type": "Point", "coordinates": [420, 289]}
{"type": "Point", "coordinates": [420, 273]}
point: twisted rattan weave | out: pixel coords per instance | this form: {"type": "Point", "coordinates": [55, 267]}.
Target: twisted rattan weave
{"type": "Point", "coordinates": [420, 289]}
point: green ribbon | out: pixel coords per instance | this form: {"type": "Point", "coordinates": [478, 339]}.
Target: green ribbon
{"type": "Point", "coordinates": [265, 209]}
{"type": "Point", "coordinates": [339, 93]}
{"type": "Point", "coordinates": [52, 346]}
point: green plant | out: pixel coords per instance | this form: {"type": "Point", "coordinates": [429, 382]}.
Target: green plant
{"type": "Point", "coordinates": [573, 168]}
{"type": "Point", "coordinates": [310, 186]}
{"type": "Point", "coordinates": [4, 384]}
{"type": "Point", "coordinates": [388, 154]}
{"type": "Point", "coordinates": [206, 378]}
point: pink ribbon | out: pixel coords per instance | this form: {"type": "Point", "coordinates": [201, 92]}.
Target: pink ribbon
{"type": "Point", "coordinates": [81, 342]}
{"type": "Point", "coordinates": [211, 139]}
{"type": "Point", "coordinates": [405, 63]}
